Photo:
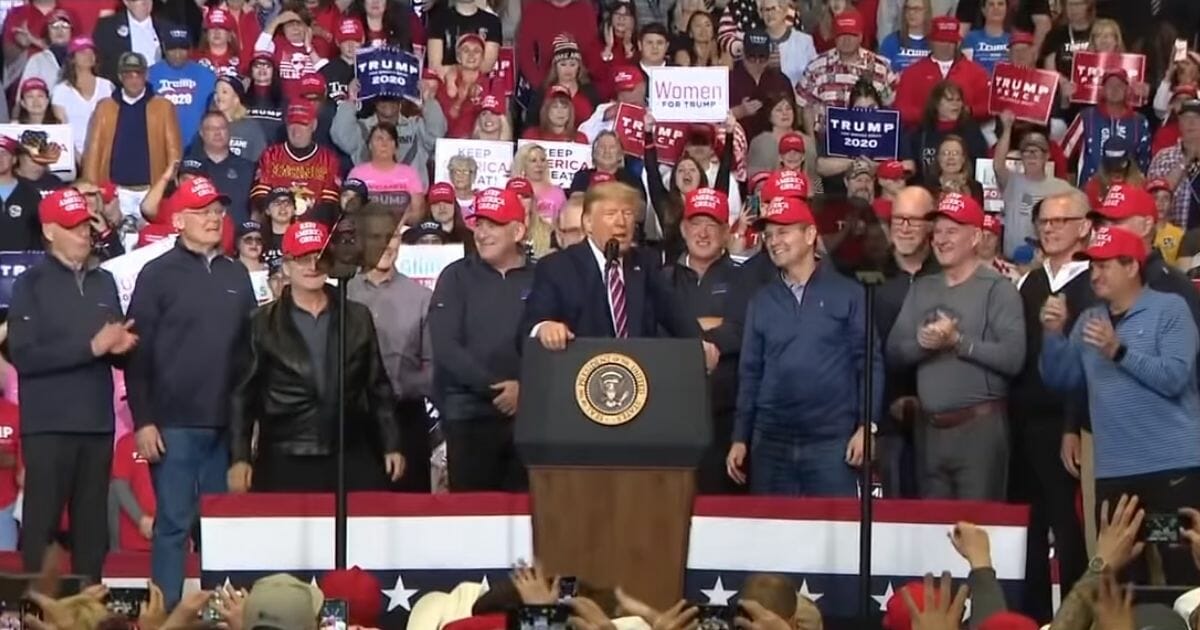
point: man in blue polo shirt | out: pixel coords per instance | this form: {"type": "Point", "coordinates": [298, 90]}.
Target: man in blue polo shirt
{"type": "Point", "coordinates": [231, 174]}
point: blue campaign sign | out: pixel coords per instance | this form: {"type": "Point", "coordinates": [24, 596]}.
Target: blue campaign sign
{"type": "Point", "coordinates": [388, 71]}
{"type": "Point", "coordinates": [870, 133]}
{"type": "Point", "coordinates": [13, 264]}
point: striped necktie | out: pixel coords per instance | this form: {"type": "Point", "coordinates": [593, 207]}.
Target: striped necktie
{"type": "Point", "coordinates": [616, 296]}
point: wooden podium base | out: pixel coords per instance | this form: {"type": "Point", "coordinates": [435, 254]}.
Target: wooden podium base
{"type": "Point", "coordinates": [615, 527]}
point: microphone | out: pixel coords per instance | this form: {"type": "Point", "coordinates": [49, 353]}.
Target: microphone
{"type": "Point", "coordinates": [612, 251]}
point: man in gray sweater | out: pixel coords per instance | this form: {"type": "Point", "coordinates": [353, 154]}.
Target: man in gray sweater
{"type": "Point", "coordinates": [964, 330]}
{"type": "Point", "coordinates": [418, 132]}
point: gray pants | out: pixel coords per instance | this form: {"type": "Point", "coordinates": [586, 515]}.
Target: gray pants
{"type": "Point", "coordinates": [966, 462]}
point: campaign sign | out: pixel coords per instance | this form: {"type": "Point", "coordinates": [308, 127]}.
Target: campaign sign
{"type": "Point", "coordinates": [629, 123]}
{"type": "Point", "coordinates": [13, 264]}
{"type": "Point", "coordinates": [50, 145]}
{"type": "Point", "coordinates": [564, 159]}
{"type": "Point", "coordinates": [1026, 92]}
{"type": "Point", "coordinates": [388, 71]}
{"type": "Point", "coordinates": [493, 157]}
{"type": "Point", "coordinates": [424, 263]}
{"type": "Point", "coordinates": [503, 76]}
{"type": "Point", "coordinates": [857, 132]}
{"type": "Point", "coordinates": [126, 268]}
{"type": "Point", "coordinates": [669, 141]}
{"type": "Point", "coordinates": [689, 95]}
{"type": "Point", "coordinates": [1087, 68]}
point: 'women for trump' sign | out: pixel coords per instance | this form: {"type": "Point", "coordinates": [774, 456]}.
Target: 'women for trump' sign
{"type": "Point", "coordinates": [689, 94]}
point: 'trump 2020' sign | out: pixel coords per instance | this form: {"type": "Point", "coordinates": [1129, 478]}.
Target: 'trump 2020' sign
{"type": "Point", "coordinates": [870, 133]}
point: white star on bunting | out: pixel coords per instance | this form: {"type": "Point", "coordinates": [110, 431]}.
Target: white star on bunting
{"type": "Point", "coordinates": [484, 583]}
{"type": "Point", "coordinates": [804, 592]}
{"type": "Point", "coordinates": [717, 595]}
{"type": "Point", "coordinates": [882, 600]}
{"type": "Point", "coordinates": [399, 596]}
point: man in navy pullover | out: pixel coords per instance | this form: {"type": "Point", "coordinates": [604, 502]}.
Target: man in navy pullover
{"type": "Point", "coordinates": [803, 360]}
{"type": "Point", "coordinates": [192, 307]}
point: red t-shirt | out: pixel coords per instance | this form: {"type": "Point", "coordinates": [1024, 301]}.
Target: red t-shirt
{"type": "Point", "coordinates": [292, 62]}
{"type": "Point", "coordinates": [131, 467]}
{"type": "Point", "coordinates": [536, 133]}
{"type": "Point", "coordinates": [10, 447]}
{"type": "Point", "coordinates": [225, 65]}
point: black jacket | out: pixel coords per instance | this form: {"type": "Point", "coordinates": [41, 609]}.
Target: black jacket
{"type": "Point", "coordinates": [276, 386]}
{"type": "Point", "coordinates": [112, 39]}
{"type": "Point", "coordinates": [55, 312]}
{"type": "Point", "coordinates": [20, 228]}
{"type": "Point", "coordinates": [716, 294]}
{"type": "Point", "coordinates": [191, 314]}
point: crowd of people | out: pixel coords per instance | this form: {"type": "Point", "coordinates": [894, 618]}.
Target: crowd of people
{"type": "Point", "coordinates": [1031, 353]}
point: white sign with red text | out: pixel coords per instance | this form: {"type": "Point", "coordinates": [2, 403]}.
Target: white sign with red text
{"type": "Point", "coordinates": [564, 159]}
{"type": "Point", "coordinates": [689, 95]}
{"type": "Point", "coordinates": [492, 157]}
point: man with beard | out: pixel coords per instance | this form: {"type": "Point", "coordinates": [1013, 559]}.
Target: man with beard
{"type": "Point", "coordinates": [963, 330]}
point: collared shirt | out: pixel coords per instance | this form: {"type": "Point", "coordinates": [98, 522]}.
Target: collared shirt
{"type": "Point", "coordinates": [315, 332]}
{"type": "Point", "coordinates": [132, 99]}
{"type": "Point", "coordinates": [797, 288]}
{"type": "Point", "coordinates": [602, 263]}
{"type": "Point", "coordinates": [144, 39]}
{"type": "Point", "coordinates": [1066, 273]}
{"type": "Point", "coordinates": [1185, 193]}
{"type": "Point", "coordinates": [828, 79]}
{"type": "Point", "coordinates": [400, 308]}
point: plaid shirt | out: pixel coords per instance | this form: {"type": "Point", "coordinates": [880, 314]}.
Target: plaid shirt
{"type": "Point", "coordinates": [828, 79]}
{"type": "Point", "coordinates": [1162, 164]}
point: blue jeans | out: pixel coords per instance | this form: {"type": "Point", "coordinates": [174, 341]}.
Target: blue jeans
{"type": "Point", "coordinates": [195, 463]}
{"type": "Point", "coordinates": [801, 468]}
{"type": "Point", "coordinates": [9, 533]}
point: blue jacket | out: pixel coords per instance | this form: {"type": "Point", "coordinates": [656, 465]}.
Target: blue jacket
{"type": "Point", "coordinates": [1148, 402]}
{"type": "Point", "coordinates": [1093, 127]}
{"type": "Point", "coordinates": [803, 364]}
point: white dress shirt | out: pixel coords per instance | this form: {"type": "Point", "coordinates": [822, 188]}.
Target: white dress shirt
{"type": "Point", "coordinates": [144, 39]}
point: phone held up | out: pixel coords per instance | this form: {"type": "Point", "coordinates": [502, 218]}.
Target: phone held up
{"type": "Point", "coordinates": [127, 602]}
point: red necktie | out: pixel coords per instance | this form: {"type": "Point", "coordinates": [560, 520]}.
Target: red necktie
{"type": "Point", "coordinates": [616, 295]}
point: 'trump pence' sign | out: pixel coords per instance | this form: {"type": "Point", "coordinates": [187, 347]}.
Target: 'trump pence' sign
{"type": "Point", "coordinates": [494, 159]}
{"type": "Point", "coordinates": [689, 94]}
{"type": "Point", "coordinates": [564, 159]}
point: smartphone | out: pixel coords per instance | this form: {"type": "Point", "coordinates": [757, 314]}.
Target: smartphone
{"type": "Point", "coordinates": [540, 618]}
{"type": "Point", "coordinates": [716, 617]}
{"type": "Point", "coordinates": [1162, 528]}
{"type": "Point", "coordinates": [334, 613]}
{"type": "Point", "coordinates": [212, 610]}
{"type": "Point", "coordinates": [127, 602]}
{"type": "Point", "coordinates": [568, 587]}
{"type": "Point", "coordinates": [1181, 50]}
{"type": "Point", "coordinates": [11, 616]}
{"type": "Point", "coordinates": [753, 207]}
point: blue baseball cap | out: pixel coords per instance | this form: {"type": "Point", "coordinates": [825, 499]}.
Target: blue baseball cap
{"type": "Point", "coordinates": [177, 38]}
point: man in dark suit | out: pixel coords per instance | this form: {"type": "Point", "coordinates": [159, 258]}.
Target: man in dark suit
{"type": "Point", "coordinates": [131, 29]}
{"type": "Point", "coordinates": [603, 287]}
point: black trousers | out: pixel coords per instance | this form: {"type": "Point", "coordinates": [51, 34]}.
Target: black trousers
{"type": "Point", "coordinates": [67, 470]}
{"type": "Point", "coordinates": [1158, 493]}
{"type": "Point", "coordinates": [280, 472]}
{"type": "Point", "coordinates": [480, 455]}
{"type": "Point", "coordinates": [1039, 479]}
{"type": "Point", "coordinates": [413, 422]}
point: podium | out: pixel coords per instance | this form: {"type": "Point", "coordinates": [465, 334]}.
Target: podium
{"type": "Point", "coordinates": [611, 431]}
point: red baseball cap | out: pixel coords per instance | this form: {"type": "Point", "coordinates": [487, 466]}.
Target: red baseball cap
{"type": "Point", "coordinates": [791, 141]}
{"type": "Point", "coordinates": [301, 114]}
{"type": "Point", "coordinates": [600, 177]}
{"type": "Point", "coordinates": [896, 616]}
{"type": "Point", "coordinates": [82, 42]}
{"type": "Point", "coordinates": [1008, 620]}
{"type": "Point", "coordinates": [218, 17]}
{"type": "Point", "coordinates": [1124, 201]}
{"type": "Point", "coordinates": [108, 191]}
{"type": "Point", "coordinates": [993, 223]}
{"type": "Point", "coordinates": [626, 79]}
{"type": "Point", "coordinates": [758, 178]}
{"type": "Point", "coordinates": [312, 85]}
{"type": "Point", "coordinates": [9, 144]}
{"type": "Point", "coordinates": [945, 30]}
{"type": "Point", "coordinates": [196, 193]}
{"type": "Point", "coordinates": [441, 192]}
{"type": "Point", "coordinates": [891, 169]}
{"type": "Point", "coordinates": [708, 202]}
{"type": "Point", "coordinates": [961, 209]}
{"type": "Point", "coordinates": [492, 103]}
{"type": "Point", "coordinates": [1110, 242]}
{"type": "Point", "coordinates": [350, 30]}
{"type": "Point", "coordinates": [33, 83]}
{"type": "Point", "coordinates": [303, 238]}
{"type": "Point", "coordinates": [1157, 184]}
{"type": "Point", "coordinates": [848, 22]}
{"type": "Point", "coordinates": [65, 207]}
{"type": "Point", "coordinates": [469, 37]}
{"type": "Point", "coordinates": [1020, 37]}
{"type": "Point", "coordinates": [1115, 72]}
{"type": "Point", "coordinates": [521, 186]}
{"type": "Point", "coordinates": [558, 91]}
{"type": "Point", "coordinates": [360, 589]}
{"type": "Point", "coordinates": [785, 211]}
{"type": "Point", "coordinates": [499, 206]}
{"type": "Point", "coordinates": [786, 183]}
{"type": "Point", "coordinates": [883, 209]}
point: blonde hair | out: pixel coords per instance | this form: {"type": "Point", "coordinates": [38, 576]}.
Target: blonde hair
{"type": "Point", "coordinates": [520, 165]}
{"type": "Point", "coordinates": [506, 132]}
{"type": "Point", "coordinates": [1111, 25]}
{"type": "Point", "coordinates": [615, 192]}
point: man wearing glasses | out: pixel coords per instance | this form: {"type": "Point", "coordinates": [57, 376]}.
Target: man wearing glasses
{"type": "Point", "coordinates": [1024, 188]}
{"type": "Point", "coordinates": [191, 306]}
{"type": "Point", "coordinates": [1046, 458]}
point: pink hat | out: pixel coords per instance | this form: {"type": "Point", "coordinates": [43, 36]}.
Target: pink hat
{"type": "Point", "coordinates": [83, 42]}
{"type": "Point", "coordinates": [219, 17]}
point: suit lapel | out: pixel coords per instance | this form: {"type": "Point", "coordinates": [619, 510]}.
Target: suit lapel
{"type": "Point", "coordinates": [594, 288]}
{"type": "Point", "coordinates": [635, 295]}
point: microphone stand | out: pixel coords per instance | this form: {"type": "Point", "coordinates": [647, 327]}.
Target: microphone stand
{"type": "Point", "coordinates": [867, 609]}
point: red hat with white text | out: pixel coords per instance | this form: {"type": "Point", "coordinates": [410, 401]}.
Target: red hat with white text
{"type": "Point", "coordinates": [993, 223]}
{"type": "Point", "coordinates": [521, 186]}
{"type": "Point", "coordinates": [441, 192]}
{"type": "Point", "coordinates": [848, 22]}
{"type": "Point", "coordinates": [945, 30]}
{"type": "Point", "coordinates": [961, 209]}
{"type": "Point", "coordinates": [1126, 200]}
{"type": "Point", "coordinates": [708, 202]}
{"type": "Point", "coordinates": [350, 30]}
{"type": "Point", "coordinates": [1111, 242]}
{"type": "Point", "coordinates": [786, 183]}
{"type": "Point", "coordinates": [785, 211]}
{"type": "Point", "coordinates": [196, 193]}
{"type": "Point", "coordinates": [303, 238]}
{"type": "Point", "coordinates": [499, 206]}
{"type": "Point", "coordinates": [626, 79]}
{"type": "Point", "coordinates": [65, 207]}
{"type": "Point", "coordinates": [791, 141]}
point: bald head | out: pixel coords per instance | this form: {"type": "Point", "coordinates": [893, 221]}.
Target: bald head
{"type": "Point", "coordinates": [915, 199]}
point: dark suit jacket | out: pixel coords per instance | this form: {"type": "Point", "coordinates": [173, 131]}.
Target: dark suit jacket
{"type": "Point", "coordinates": [568, 288]}
{"type": "Point", "coordinates": [111, 44]}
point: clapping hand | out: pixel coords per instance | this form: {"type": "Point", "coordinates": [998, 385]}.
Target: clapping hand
{"type": "Point", "coordinates": [1054, 314]}
{"type": "Point", "coordinates": [1098, 332]}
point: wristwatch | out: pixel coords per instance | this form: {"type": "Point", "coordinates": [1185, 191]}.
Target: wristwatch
{"type": "Point", "coordinates": [1097, 565]}
{"type": "Point", "coordinates": [1119, 354]}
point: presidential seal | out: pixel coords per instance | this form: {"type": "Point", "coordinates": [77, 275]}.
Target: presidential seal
{"type": "Point", "coordinates": [610, 389]}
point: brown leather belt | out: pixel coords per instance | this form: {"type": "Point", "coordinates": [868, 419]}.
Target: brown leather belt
{"type": "Point", "coordinates": [948, 419]}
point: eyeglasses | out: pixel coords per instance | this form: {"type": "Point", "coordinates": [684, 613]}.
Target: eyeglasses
{"type": "Point", "coordinates": [908, 222]}
{"type": "Point", "coordinates": [1057, 222]}
{"type": "Point", "coordinates": [462, 171]}
{"type": "Point", "coordinates": [253, 240]}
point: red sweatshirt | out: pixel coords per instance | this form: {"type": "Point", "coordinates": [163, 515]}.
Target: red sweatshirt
{"type": "Point", "coordinates": [131, 467]}
{"type": "Point", "coordinates": [917, 81]}
{"type": "Point", "coordinates": [312, 176]}
{"type": "Point", "coordinates": [541, 22]}
{"type": "Point", "coordinates": [10, 448]}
